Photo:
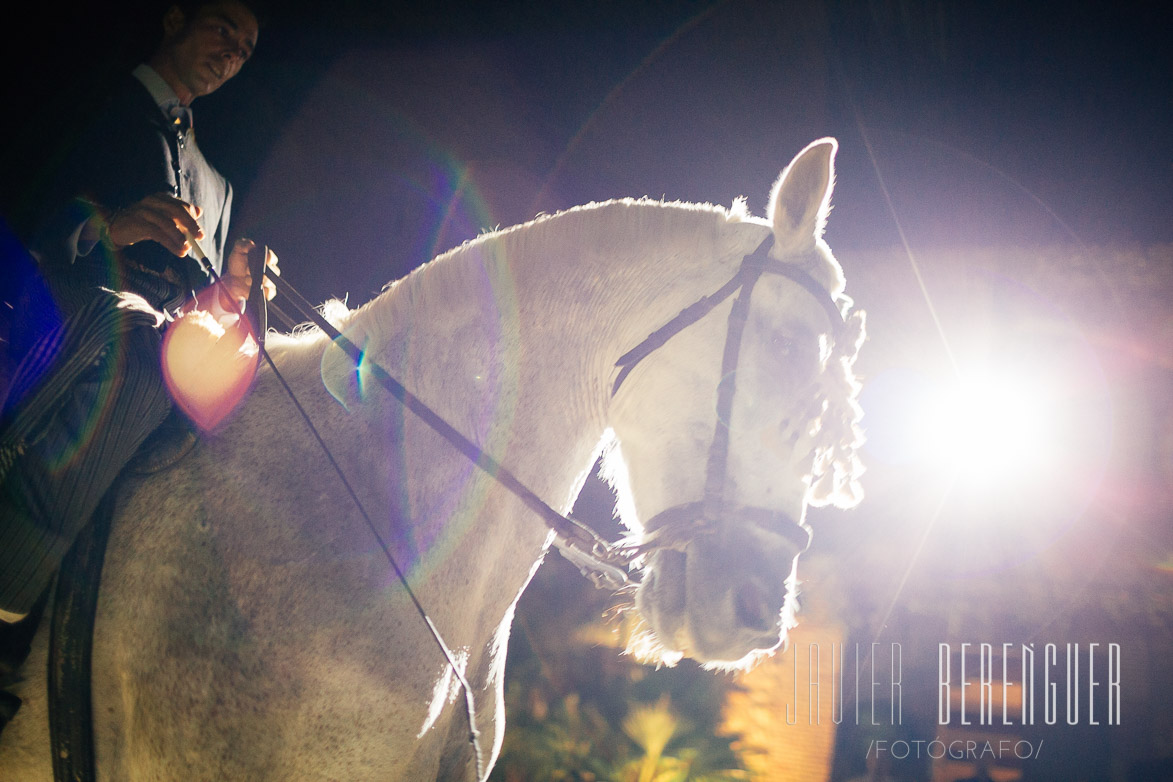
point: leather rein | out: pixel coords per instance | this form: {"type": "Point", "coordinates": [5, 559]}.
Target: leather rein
{"type": "Point", "coordinates": [605, 564]}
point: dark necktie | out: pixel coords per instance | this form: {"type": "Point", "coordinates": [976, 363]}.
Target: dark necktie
{"type": "Point", "coordinates": [181, 123]}
{"type": "Point", "coordinates": [180, 120]}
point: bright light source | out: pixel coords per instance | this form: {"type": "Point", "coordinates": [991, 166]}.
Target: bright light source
{"type": "Point", "coordinates": [989, 428]}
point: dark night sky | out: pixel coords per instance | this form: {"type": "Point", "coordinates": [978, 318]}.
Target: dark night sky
{"type": "Point", "coordinates": [363, 138]}
{"type": "Point", "coordinates": [352, 129]}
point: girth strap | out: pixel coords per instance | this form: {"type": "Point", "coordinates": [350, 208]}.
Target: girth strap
{"type": "Point", "coordinates": [75, 603]}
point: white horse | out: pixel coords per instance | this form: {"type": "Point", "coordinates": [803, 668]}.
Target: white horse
{"type": "Point", "coordinates": [250, 629]}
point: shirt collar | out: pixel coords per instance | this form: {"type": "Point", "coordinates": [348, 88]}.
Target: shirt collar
{"type": "Point", "coordinates": [164, 96]}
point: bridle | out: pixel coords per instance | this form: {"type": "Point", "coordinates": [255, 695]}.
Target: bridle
{"type": "Point", "coordinates": [606, 564]}
{"type": "Point", "coordinates": [674, 527]}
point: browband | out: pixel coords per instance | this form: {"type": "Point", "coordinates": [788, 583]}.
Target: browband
{"type": "Point", "coordinates": [752, 266]}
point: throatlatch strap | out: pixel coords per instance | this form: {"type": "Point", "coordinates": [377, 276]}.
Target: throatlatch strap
{"type": "Point", "coordinates": [687, 316]}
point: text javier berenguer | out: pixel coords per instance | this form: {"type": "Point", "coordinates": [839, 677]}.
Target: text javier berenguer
{"type": "Point", "coordinates": [1081, 674]}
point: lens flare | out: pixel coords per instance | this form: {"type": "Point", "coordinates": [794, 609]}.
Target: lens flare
{"type": "Point", "coordinates": [208, 367]}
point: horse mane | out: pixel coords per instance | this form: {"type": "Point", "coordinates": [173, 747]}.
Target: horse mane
{"type": "Point", "coordinates": [621, 223]}
{"type": "Point", "coordinates": [625, 222]}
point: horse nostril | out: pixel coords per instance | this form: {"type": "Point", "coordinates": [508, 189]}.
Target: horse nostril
{"type": "Point", "coordinates": [750, 608]}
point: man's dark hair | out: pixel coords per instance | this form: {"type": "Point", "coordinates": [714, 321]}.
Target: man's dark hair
{"type": "Point", "coordinates": [192, 7]}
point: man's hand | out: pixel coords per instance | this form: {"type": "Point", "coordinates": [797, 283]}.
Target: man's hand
{"type": "Point", "coordinates": [237, 278]}
{"type": "Point", "coordinates": [158, 218]}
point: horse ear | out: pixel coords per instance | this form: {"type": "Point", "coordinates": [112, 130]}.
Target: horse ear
{"type": "Point", "coordinates": [801, 198]}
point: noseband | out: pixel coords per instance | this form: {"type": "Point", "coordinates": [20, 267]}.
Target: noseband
{"type": "Point", "coordinates": [605, 564]}
{"type": "Point", "coordinates": [677, 525]}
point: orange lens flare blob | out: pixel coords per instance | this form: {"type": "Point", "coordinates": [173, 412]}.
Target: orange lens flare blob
{"type": "Point", "coordinates": [208, 367]}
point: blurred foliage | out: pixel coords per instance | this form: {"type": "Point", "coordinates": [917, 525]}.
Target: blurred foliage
{"type": "Point", "coordinates": [578, 709]}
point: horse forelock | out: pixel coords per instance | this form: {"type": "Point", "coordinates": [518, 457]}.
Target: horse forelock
{"type": "Point", "coordinates": [837, 466]}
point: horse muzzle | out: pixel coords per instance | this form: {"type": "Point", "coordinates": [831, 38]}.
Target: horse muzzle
{"type": "Point", "coordinates": [721, 595]}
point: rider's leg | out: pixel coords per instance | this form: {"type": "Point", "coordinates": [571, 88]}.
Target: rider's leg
{"type": "Point", "coordinates": [51, 490]}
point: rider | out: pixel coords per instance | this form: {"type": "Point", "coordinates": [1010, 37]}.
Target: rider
{"type": "Point", "coordinates": [135, 194]}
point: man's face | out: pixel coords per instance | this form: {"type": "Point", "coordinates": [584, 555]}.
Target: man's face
{"type": "Point", "coordinates": [208, 49]}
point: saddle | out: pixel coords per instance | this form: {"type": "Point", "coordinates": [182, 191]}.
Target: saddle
{"type": "Point", "coordinates": [76, 598]}
{"type": "Point", "coordinates": [75, 594]}
{"type": "Point", "coordinates": [166, 447]}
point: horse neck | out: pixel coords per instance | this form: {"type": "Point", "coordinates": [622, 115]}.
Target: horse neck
{"type": "Point", "coordinates": [513, 338]}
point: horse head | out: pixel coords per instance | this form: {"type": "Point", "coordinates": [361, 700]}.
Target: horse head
{"type": "Point", "coordinates": [732, 427]}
